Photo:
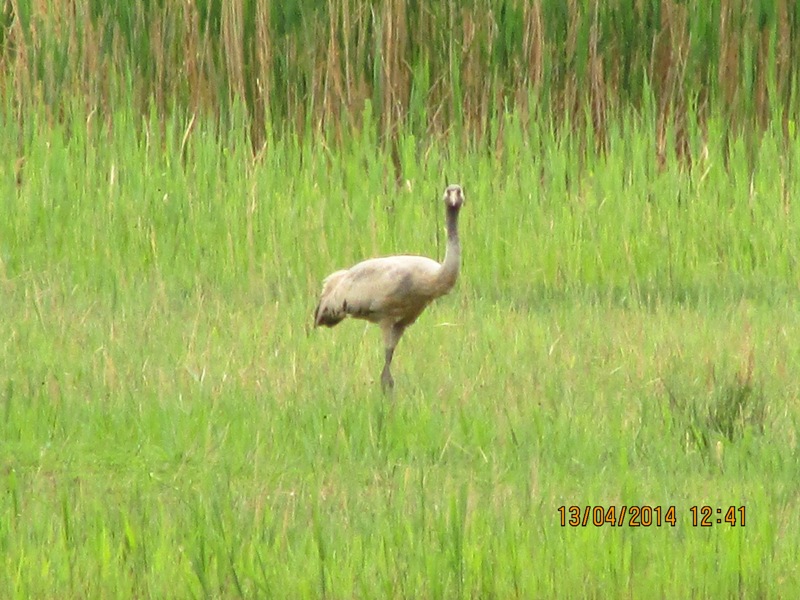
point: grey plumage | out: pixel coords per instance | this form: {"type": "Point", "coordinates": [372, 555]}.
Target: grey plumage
{"type": "Point", "coordinates": [393, 291]}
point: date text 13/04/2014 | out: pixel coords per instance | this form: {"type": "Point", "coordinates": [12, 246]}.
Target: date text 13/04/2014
{"type": "Point", "coordinates": [649, 516]}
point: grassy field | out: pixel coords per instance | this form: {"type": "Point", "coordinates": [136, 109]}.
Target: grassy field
{"type": "Point", "coordinates": [171, 426]}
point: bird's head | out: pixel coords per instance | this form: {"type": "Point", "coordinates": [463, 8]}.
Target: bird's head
{"type": "Point", "coordinates": [454, 196]}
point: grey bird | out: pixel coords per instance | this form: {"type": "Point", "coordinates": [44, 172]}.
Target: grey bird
{"type": "Point", "coordinates": [394, 290]}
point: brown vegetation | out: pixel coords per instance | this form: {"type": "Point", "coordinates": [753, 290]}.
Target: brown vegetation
{"type": "Point", "coordinates": [429, 69]}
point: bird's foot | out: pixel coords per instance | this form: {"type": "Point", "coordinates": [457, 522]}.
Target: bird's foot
{"type": "Point", "coordinates": [387, 382]}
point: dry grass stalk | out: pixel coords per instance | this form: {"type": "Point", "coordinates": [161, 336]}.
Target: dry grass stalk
{"type": "Point", "coordinates": [312, 72]}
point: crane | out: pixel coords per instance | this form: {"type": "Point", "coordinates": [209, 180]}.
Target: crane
{"type": "Point", "coordinates": [392, 291]}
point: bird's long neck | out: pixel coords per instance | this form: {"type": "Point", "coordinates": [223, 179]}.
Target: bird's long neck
{"type": "Point", "coordinates": [452, 256]}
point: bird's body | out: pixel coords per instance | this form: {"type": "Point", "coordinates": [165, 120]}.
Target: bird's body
{"type": "Point", "coordinates": [394, 287]}
{"type": "Point", "coordinates": [393, 291]}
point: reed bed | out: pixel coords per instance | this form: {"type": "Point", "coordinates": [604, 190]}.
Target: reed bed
{"type": "Point", "coordinates": [307, 67]}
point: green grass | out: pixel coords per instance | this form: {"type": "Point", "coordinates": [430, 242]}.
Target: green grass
{"type": "Point", "coordinates": [172, 427]}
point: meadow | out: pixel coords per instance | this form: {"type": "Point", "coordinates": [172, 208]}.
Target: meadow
{"type": "Point", "coordinates": [623, 333]}
{"type": "Point", "coordinates": [172, 426]}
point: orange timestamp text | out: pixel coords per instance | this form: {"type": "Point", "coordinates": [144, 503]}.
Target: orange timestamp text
{"type": "Point", "coordinates": [648, 516]}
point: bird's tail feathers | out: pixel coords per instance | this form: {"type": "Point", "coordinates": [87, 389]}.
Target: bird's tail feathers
{"type": "Point", "coordinates": [330, 311]}
{"type": "Point", "coordinates": [327, 318]}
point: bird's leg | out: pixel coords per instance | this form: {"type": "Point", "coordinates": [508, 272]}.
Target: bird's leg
{"type": "Point", "coordinates": [391, 335]}
{"type": "Point", "coordinates": [387, 382]}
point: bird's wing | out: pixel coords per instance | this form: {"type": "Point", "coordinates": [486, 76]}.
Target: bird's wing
{"type": "Point", "coordinates": [395, 286]}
